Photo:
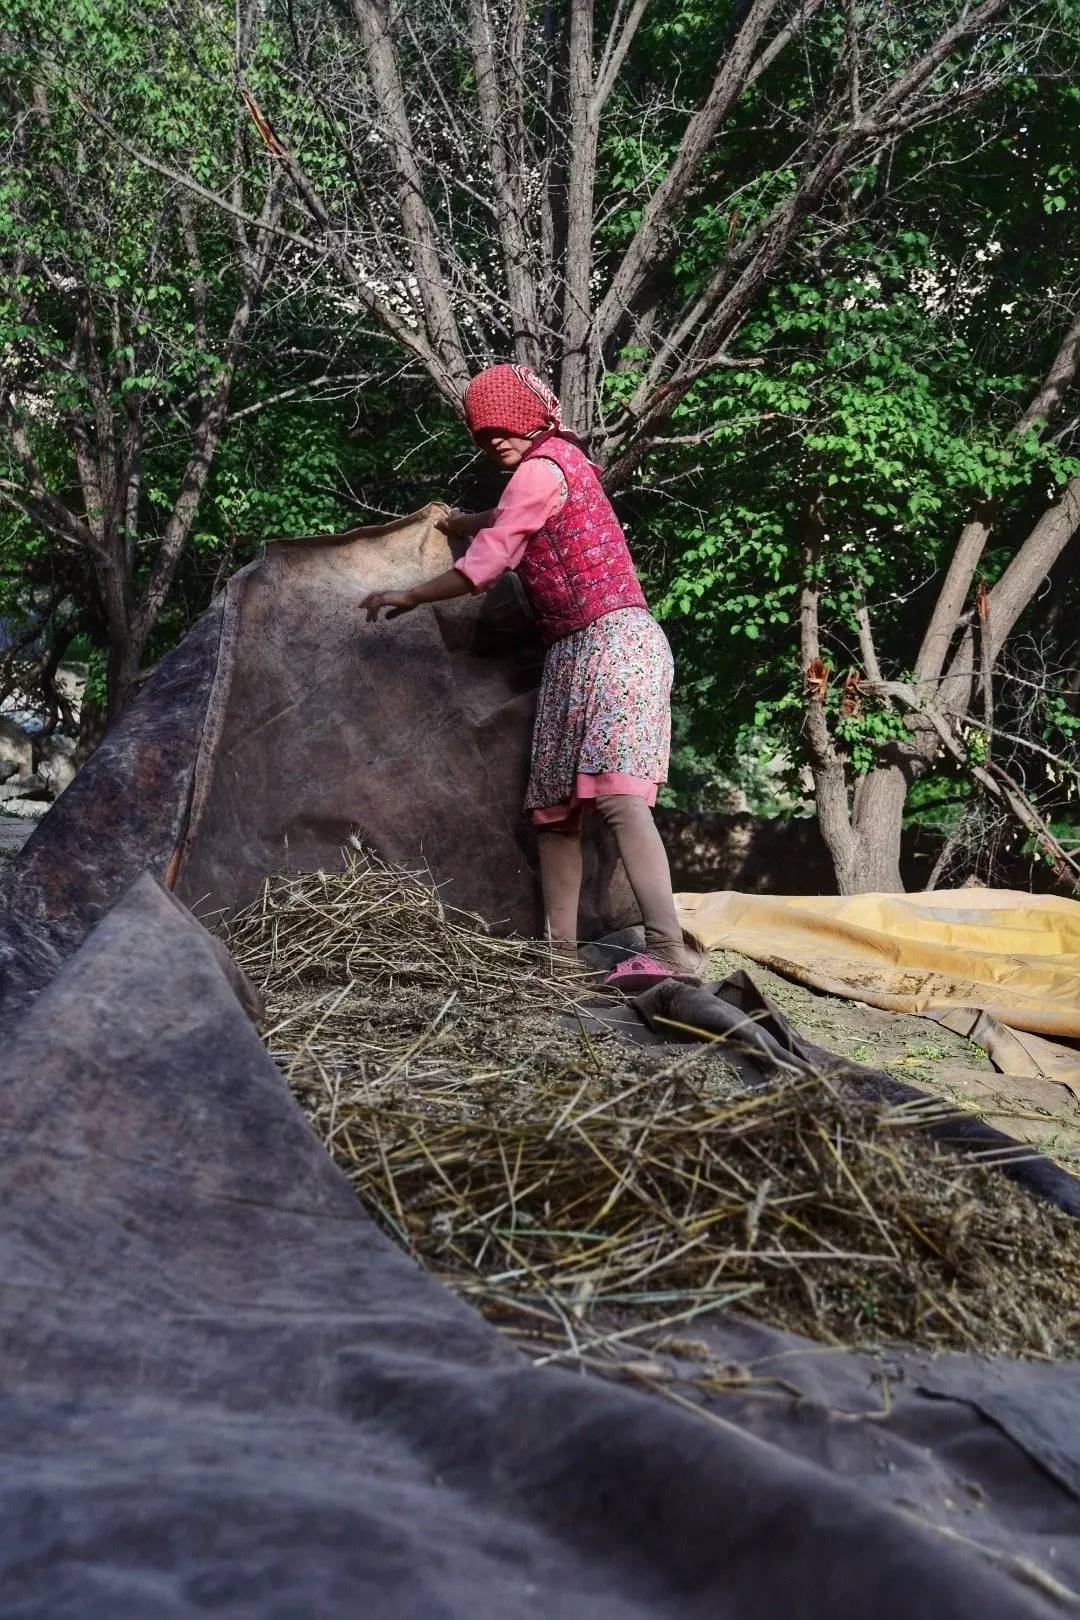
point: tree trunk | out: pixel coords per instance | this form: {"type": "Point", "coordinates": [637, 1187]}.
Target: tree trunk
{"type": "Point", "coordinates": [123, 668]}
{"type": "Point", "coordinates": [864, 843]}
{"type": "Point", "coordinates": [93, 724]}
{"type": "Point", "coordinates": [878, 819]}
{"type": "Point", "coordinates": [124, 650]}
{"type": "Point", "coordinates": [836, 834]}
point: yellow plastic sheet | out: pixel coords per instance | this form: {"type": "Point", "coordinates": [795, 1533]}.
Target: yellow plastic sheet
{"type": "Point", "coordinates": [1014, 956]}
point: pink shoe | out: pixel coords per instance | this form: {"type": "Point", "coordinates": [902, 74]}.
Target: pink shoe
{"type": "Point", "coordinates": [638, 973]}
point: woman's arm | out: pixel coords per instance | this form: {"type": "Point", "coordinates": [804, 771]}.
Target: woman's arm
{"type": "Point", "coordinates": [440, 589]}
{"type": "Point", "coordinates": [535, 491]}
{"type": "Point", "coordinates": [463, 525]}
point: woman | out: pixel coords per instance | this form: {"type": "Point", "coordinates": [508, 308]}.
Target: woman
{"type": "Point", "coordinates": [603, 721]}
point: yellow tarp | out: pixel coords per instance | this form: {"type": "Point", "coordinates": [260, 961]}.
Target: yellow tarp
{"type": "Point", "coordinates": [1015, 956]}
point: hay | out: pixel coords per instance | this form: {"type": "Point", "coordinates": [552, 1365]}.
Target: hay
{"type": "Point", "coordinates": [582, 1191]}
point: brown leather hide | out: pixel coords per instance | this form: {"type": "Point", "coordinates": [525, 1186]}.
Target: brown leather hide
{"type": "Point", "coordinates": [410, 736]}
{"type": "Point", "coordinates": [285, 726]}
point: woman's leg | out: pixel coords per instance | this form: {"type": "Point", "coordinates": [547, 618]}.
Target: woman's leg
{"type": "Point", "coordinates": [644, 858]}
{"type": "Point", "coordinates": [560, 880]}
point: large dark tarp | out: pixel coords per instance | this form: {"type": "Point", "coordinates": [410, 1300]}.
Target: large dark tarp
{"type": "Point", "coordinates": [125, 813]}
{"type": "Point", "coordinates": [226, 1393]}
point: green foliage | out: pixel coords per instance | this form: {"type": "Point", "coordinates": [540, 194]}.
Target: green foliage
{"type": "Point", "coordinates": [96, 691]}
{"type": "Point", "coordinates": [877, 384]}
{"type": "Point", "coordinates": [866, 735]}
{"type": "Point", "coordinates": [106, 341]}
{"type": "Point", "coordinates": [938, 801]}
{"type": "Point", "coordinates": [895, 359]}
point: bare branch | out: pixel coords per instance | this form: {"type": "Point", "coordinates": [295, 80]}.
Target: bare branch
{"type": "Point", "coordinates": [506, 179]}
{"type": "Point", "coordinates": [210, 430]}
{"type": "Point", "coordinates": [993, 777]}
{"type": "Point", "coordinates": [373, 24]}
{"type": "Point", "coordinates": [329, 248]}
{"type": "Point", "coordinates": [578, 373]}
{"type": "Point", "coordinates": [866, 644]}
{"type": "Point", "coordinates": [736, 71]}
{"type": "Point", "coordinates": [624, 25]}
{"type": "Point", "coordinates": [1032, 563]}
{"type": "Point", "coordinates": [737, 281]}
{"type": "Point", "coordinates": [303, 392]}
{"type": "Point", "coordinates": [830, 784]}
{"type": "Point", "coordinates": [37, 495]}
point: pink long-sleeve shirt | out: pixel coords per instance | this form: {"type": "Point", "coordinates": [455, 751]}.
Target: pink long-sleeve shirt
{"type": "Point", "coordinates": [534, 493]}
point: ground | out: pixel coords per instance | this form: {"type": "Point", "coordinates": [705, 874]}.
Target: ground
{"type": "Point", "coordinates": [922, 1054]}
{"type": "Point", "coordinates": [909, 1048]}
{"type": "Point", "coordinates": [13, 835]}
{"type": "Point", "coordinates": [912, 1049]}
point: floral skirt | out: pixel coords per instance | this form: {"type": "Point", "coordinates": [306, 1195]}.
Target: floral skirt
{"type": "Point", "coordinates": [603, 717]}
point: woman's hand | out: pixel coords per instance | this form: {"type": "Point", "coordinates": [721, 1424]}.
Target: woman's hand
{"type": "Point", "coordinates": [395, 602]}
{"type": "Point", "coordinates": [462, 525]}
{"type": "Point", "coordinates": [443, 588]}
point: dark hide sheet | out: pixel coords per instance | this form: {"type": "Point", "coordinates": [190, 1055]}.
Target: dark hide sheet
{"type": "Point", "coordinates": [330, 726]}
{"type": "Point", "coordinates": [226, 1393]}
{"type": "Point", "coordinates": [124, 813]}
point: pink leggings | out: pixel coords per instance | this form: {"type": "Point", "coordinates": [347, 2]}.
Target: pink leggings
{"type": "Point", "coordinates": [644, 858]}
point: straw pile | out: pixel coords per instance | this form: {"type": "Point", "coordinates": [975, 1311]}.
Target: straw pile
{"type": "Point", "coordinates": [581, 1190]}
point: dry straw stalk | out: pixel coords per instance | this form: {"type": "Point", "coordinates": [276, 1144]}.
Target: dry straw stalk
{"type": "Point", "coordinates": [585, 1192]}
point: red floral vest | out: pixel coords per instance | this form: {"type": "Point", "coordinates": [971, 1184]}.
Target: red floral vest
{"type": "Point", "coordinates": [578, 566]}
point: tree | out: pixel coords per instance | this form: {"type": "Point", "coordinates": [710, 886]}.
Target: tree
{"type": "Point", "coordinates": [956, 659]}
{"type": "Point", "coordinates": [915, 378]}
{"type": "Point", "coordinates": [644, 198]}
{"type": "Point", "coordinates": [489, 177]}
{"type": "Point", "coordinates": [127, 315]}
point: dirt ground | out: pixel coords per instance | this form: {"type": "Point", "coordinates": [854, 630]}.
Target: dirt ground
{"type": "Point", "coordinates": [14, 832]}
{"type": "Point", "coordinates": [923, 1054]}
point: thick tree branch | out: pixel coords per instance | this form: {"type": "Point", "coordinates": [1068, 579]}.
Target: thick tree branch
{"type": "Point", "coordinates": [993, 777]}
{"type": "Point", "coordinates": [578, 370]}
{"type": "Point", "coordinates": [976, 531]}
{"type": "Point", "coordinates": [372, 20]}
{"type": "Point", "coordinates": [830, 783]}
{"type": "Point", "coordinates": [866, 644]}
{"type": "Point", "coordinates": [1031, 565]}
{"type": "Point", "coordinates": [624, 25]}
{"type": "Point", "coordinates": [738, 280]}
{"type": "Point", "coordinates": [209, 432]}
{"type": "Point", "coordinates": [330, 248]}
{"type": "Point", "coordinates": [740, 67]}
{"type": "Point", "coordinates": [37, 495]}
{"type": "Point", "coordinates": [100, 401]}
{"type": "Point", "coordinates": [499, 129]}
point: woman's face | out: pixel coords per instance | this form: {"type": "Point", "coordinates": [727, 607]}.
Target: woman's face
{"type": "Point", "coordinates": [505, 449]}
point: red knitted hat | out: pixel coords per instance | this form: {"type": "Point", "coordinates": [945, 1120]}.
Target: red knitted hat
{"type": "Point", "coordinates": [513, 399]}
